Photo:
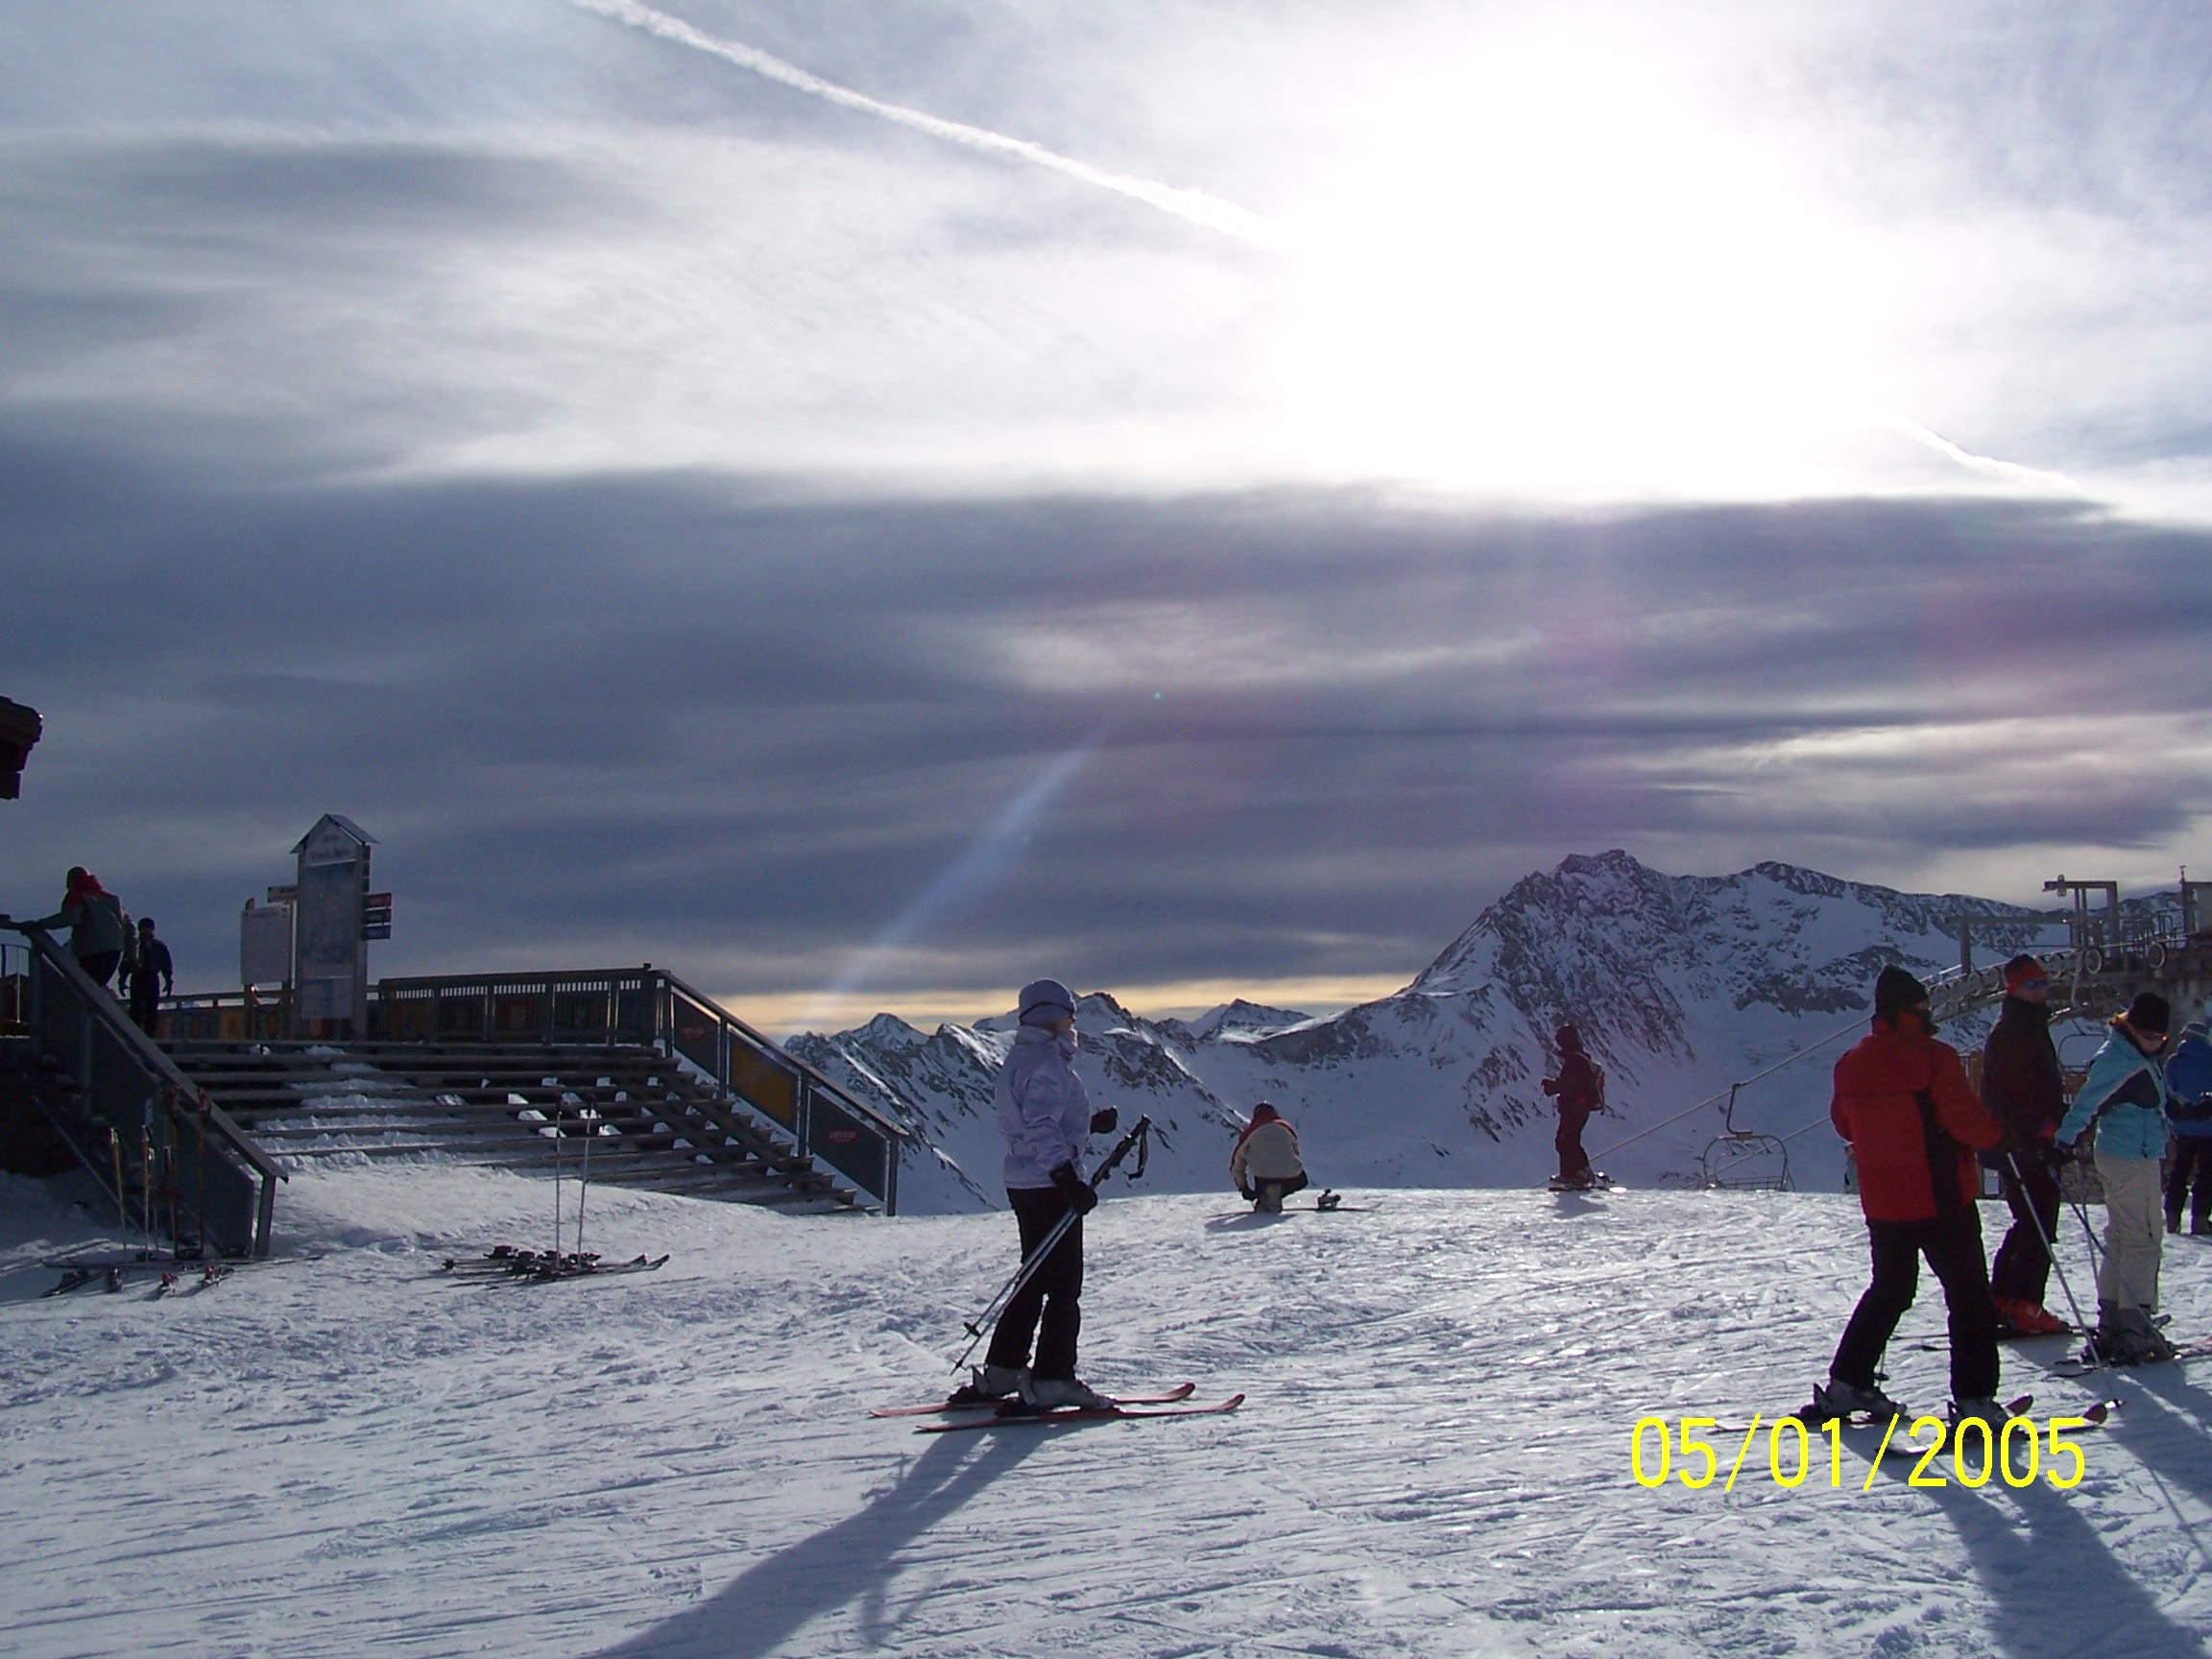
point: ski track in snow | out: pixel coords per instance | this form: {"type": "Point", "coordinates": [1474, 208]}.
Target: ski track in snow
{"type": "Point", "coordinates": [353, 1454]}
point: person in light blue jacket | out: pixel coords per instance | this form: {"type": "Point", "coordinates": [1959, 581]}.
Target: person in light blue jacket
{"type": "Point", "coordinates": [1046, 1116]}
{"type": "Point", "coordinates": [2189, 1107]}
{"type": "Point", "coordinates": [2122, 1104]}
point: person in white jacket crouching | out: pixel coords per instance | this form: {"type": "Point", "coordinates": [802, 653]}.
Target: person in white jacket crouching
{"type": "Point", "coordinates": [1266, 1165]}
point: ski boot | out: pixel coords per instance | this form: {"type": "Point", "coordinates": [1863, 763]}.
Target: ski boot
{"type": "Point", "coordinates": [989, 1385]}
{"type": "Point", "coordinates": [1270, 1199]}
{"type": "Point", "coordinates": [1837, 1398]}
{"type": "Point", "coordinates": [1062, 1394]}
{"type": "Point", "coordinates": [1328, 1200]}
{"type": "Point", "coordinates": [2127, 1337]}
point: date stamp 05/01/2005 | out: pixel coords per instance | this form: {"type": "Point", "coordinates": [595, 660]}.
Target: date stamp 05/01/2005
{"type": "Point", "coordinates": [2014, 1454]}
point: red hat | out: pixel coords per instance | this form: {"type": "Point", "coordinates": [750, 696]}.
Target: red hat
{"type": "Point", "coordinates": [2020, 970]}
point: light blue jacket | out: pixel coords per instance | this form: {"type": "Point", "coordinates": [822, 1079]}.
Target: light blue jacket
{"type": "Point", "coordinates": [2124, 1129]}
{"type": "Point", "coordinates": [2188, 1081]}
{"type": "Point", "coordinates": [1042, 1110]}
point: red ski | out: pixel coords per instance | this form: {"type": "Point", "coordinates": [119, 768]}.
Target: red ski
{"type": "Point", "coordinates": [1111, 1414]}
{"type": "Point", "coordinates": [1181, 1391]}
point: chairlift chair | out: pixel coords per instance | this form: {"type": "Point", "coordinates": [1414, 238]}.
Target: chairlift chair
{"type": "Point", "coordinates": [1744, 1159]}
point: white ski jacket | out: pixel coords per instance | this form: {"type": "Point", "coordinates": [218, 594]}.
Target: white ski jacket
{"type": "Point", "coordinates": [1269, 1153]}
{"type": "Point", "coordinates": [1042, 1110]}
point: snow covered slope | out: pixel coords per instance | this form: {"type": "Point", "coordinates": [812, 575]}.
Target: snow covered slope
{"type": "Point", "coordinates": [1679, 984]}
{"type": "Point", "coordinates": [353, 1455]}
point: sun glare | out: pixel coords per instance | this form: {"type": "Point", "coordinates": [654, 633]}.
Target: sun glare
{"type": "Point", "coordinates": [1549, 262]}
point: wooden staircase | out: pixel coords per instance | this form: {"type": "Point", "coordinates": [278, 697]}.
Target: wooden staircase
{"type": "Point", "coordinates": [645, 1121]}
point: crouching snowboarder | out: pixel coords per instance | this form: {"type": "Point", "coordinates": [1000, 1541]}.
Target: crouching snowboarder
{"type": "Point", "coordinates": [1047, 1119]}
{"type": "Point", "coordinates": [1902, 1101]}
{"type": "Point", "coordinates": [1265, 1165]}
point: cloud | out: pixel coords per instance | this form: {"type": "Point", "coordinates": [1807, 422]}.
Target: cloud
{"type": "Point", "coordinates": [696, 722]}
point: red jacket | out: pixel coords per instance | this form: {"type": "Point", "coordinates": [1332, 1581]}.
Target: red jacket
{"type": "Point", "coordinates": [1906, 1107]}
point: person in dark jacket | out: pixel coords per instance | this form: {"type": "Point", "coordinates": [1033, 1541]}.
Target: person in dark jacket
{"type": "Point", "coordinates": [2025, 1090]}
{"type": "Point", "coordinates": [149, 976]}
{"type": "Point", "coordinates": [1045, 1117]}
{"type": "Point", "coordinates": [99, 930]}
{"type": "Point", "coordinates": [1576, 1092]}
{"type": "Point", "coordinates": [1902, 1101]}
{"type": "Point", "coordinates": [2189, 1109]}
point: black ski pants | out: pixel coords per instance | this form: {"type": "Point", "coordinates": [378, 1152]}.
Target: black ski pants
{"type": "Point", "coordinates": [1953, 1246]}
{"type": "Point", "coordinates": [1573, 1162]}
{"type": "Point", "coordinates": [2022, 1268]}
{"type": "Point", "coordinates": [2192, 1162]}
{"type": "Point", "coordinates": [1054, 1290]}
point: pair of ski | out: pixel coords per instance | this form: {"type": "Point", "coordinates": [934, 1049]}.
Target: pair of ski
{"type": "Point", "coordinates": [1119, 1408]}
{"type": "Point", "coordinates": [2081, 1366]}
{"type": "Point", "coordinates": [76, 1278]}
{"type": "Point", "coordinates": [1816, 1421]}
{"type": "Point", "coordinates": [541, 1267]}
{"type": "Point", "coordinates": [1598, 1182]}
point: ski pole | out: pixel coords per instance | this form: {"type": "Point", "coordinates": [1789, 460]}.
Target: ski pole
{"type": "Point", "coordinates": [1140, 1133]}
{"type": "Point", "coordinates": [122, 1210]}
{"type": "Point", "coordinates": [145, 1183]}
{"type": "Point", "coordinates": [584, 1187]}
{"type": "Point", "coordinates": [2050, 1252]}
{"type": "Point", "coordinates": [556, 1186]}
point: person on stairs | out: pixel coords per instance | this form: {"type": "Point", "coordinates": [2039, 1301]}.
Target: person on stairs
{"type": "Point", "coordinates": [149, 975]}
{"type": "Point", "coordinates": [100, 935]}
{"type": "Point", "coordinates": [2025, 1090]}
{"type": "Point", "coordinates": [2189, 1110]}
{"type": "Point", "coordinates": [1266, 1164]}
{"type": "Point", "coordinates": [2119, 1118]}
{"type": "Point", "coordinates": [1902, 1101]}
{"type": "Point", "coordinates": [1045, 1117]}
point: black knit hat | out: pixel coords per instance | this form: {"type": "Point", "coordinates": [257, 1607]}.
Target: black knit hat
{"type": "Point", "coordinates": [1896, 990]}
{"type": "Point", "coordinates": [2149, 1013]}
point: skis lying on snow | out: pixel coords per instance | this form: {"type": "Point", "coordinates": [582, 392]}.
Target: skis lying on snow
{"type": "Point", "coordinates": [1181, 1391]}
{"type": "Point", "coordinates": [1023, 1417]}
{"type": "Point", "coordinates": [540, 1266]}
{"type": "Point", "coordinates": [172, 1273]}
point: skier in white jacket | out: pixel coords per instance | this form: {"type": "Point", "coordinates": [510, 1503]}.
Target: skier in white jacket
{"type": "Point", "coordinates": [1047, 1119]}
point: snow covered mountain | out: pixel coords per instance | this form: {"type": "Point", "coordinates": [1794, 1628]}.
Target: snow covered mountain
{"type": "Point", "coordinates": [1679, 984]}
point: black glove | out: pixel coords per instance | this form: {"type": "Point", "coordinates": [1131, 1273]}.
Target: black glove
{"type": "Point", "coordinates": [1082, 1197]}
{"type": "Point", "coordinates": [2050, 1155]}
{"type": "Point", "coordinates": [1105, 1122]}
{"type": "Point", "coordinates": [2082, 1148]}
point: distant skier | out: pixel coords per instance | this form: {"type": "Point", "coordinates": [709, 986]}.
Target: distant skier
{"type": "Point", "coordinates": [2120, 1109]}
{"type": "Point", "coordinates": [2025, 1090]}
{"type": "Point", "coordinates": [1902, 1101]}
{"type": "Point", "coordinates": [1580, 1091]}
{"type": "Point", "coordinates": [2189, 1104]}
{"type": "Point", "coordinates": [1047, 1119]}
{"type": "Point", "coordinates": [149, 975]}
{"type": "Point", "coordinates": [1265, 1165]}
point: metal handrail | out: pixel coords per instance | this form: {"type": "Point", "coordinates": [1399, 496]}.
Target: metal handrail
{"type": "Point", "coordinates": [165, 1083]}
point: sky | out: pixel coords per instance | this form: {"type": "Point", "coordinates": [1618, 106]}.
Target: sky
{"type": "Point", "coordinates": [866, 506]}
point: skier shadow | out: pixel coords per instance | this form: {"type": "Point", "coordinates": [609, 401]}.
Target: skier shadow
{"type": "Point", "coordinates": [1247, 1221]}
{"type": "Point", "coordinates": [852, 1561]}
{"type": "Point", "coordinates": [2057, 1591]}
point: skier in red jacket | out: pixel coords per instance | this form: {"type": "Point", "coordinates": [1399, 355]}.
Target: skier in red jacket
{"type": "Point", "coordinates": [1578, 1093]}
{"type": "Point", "coordinates": [1902, 1101]}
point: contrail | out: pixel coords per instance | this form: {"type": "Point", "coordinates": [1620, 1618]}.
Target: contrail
{"type": "Point", "coordinates": [1195, 205]}
{"type": "Point", "coordinates": [1988, 465]}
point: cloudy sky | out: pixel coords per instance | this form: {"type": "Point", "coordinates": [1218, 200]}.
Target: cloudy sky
{"type": "Point", "coordinates": [868, 504]}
